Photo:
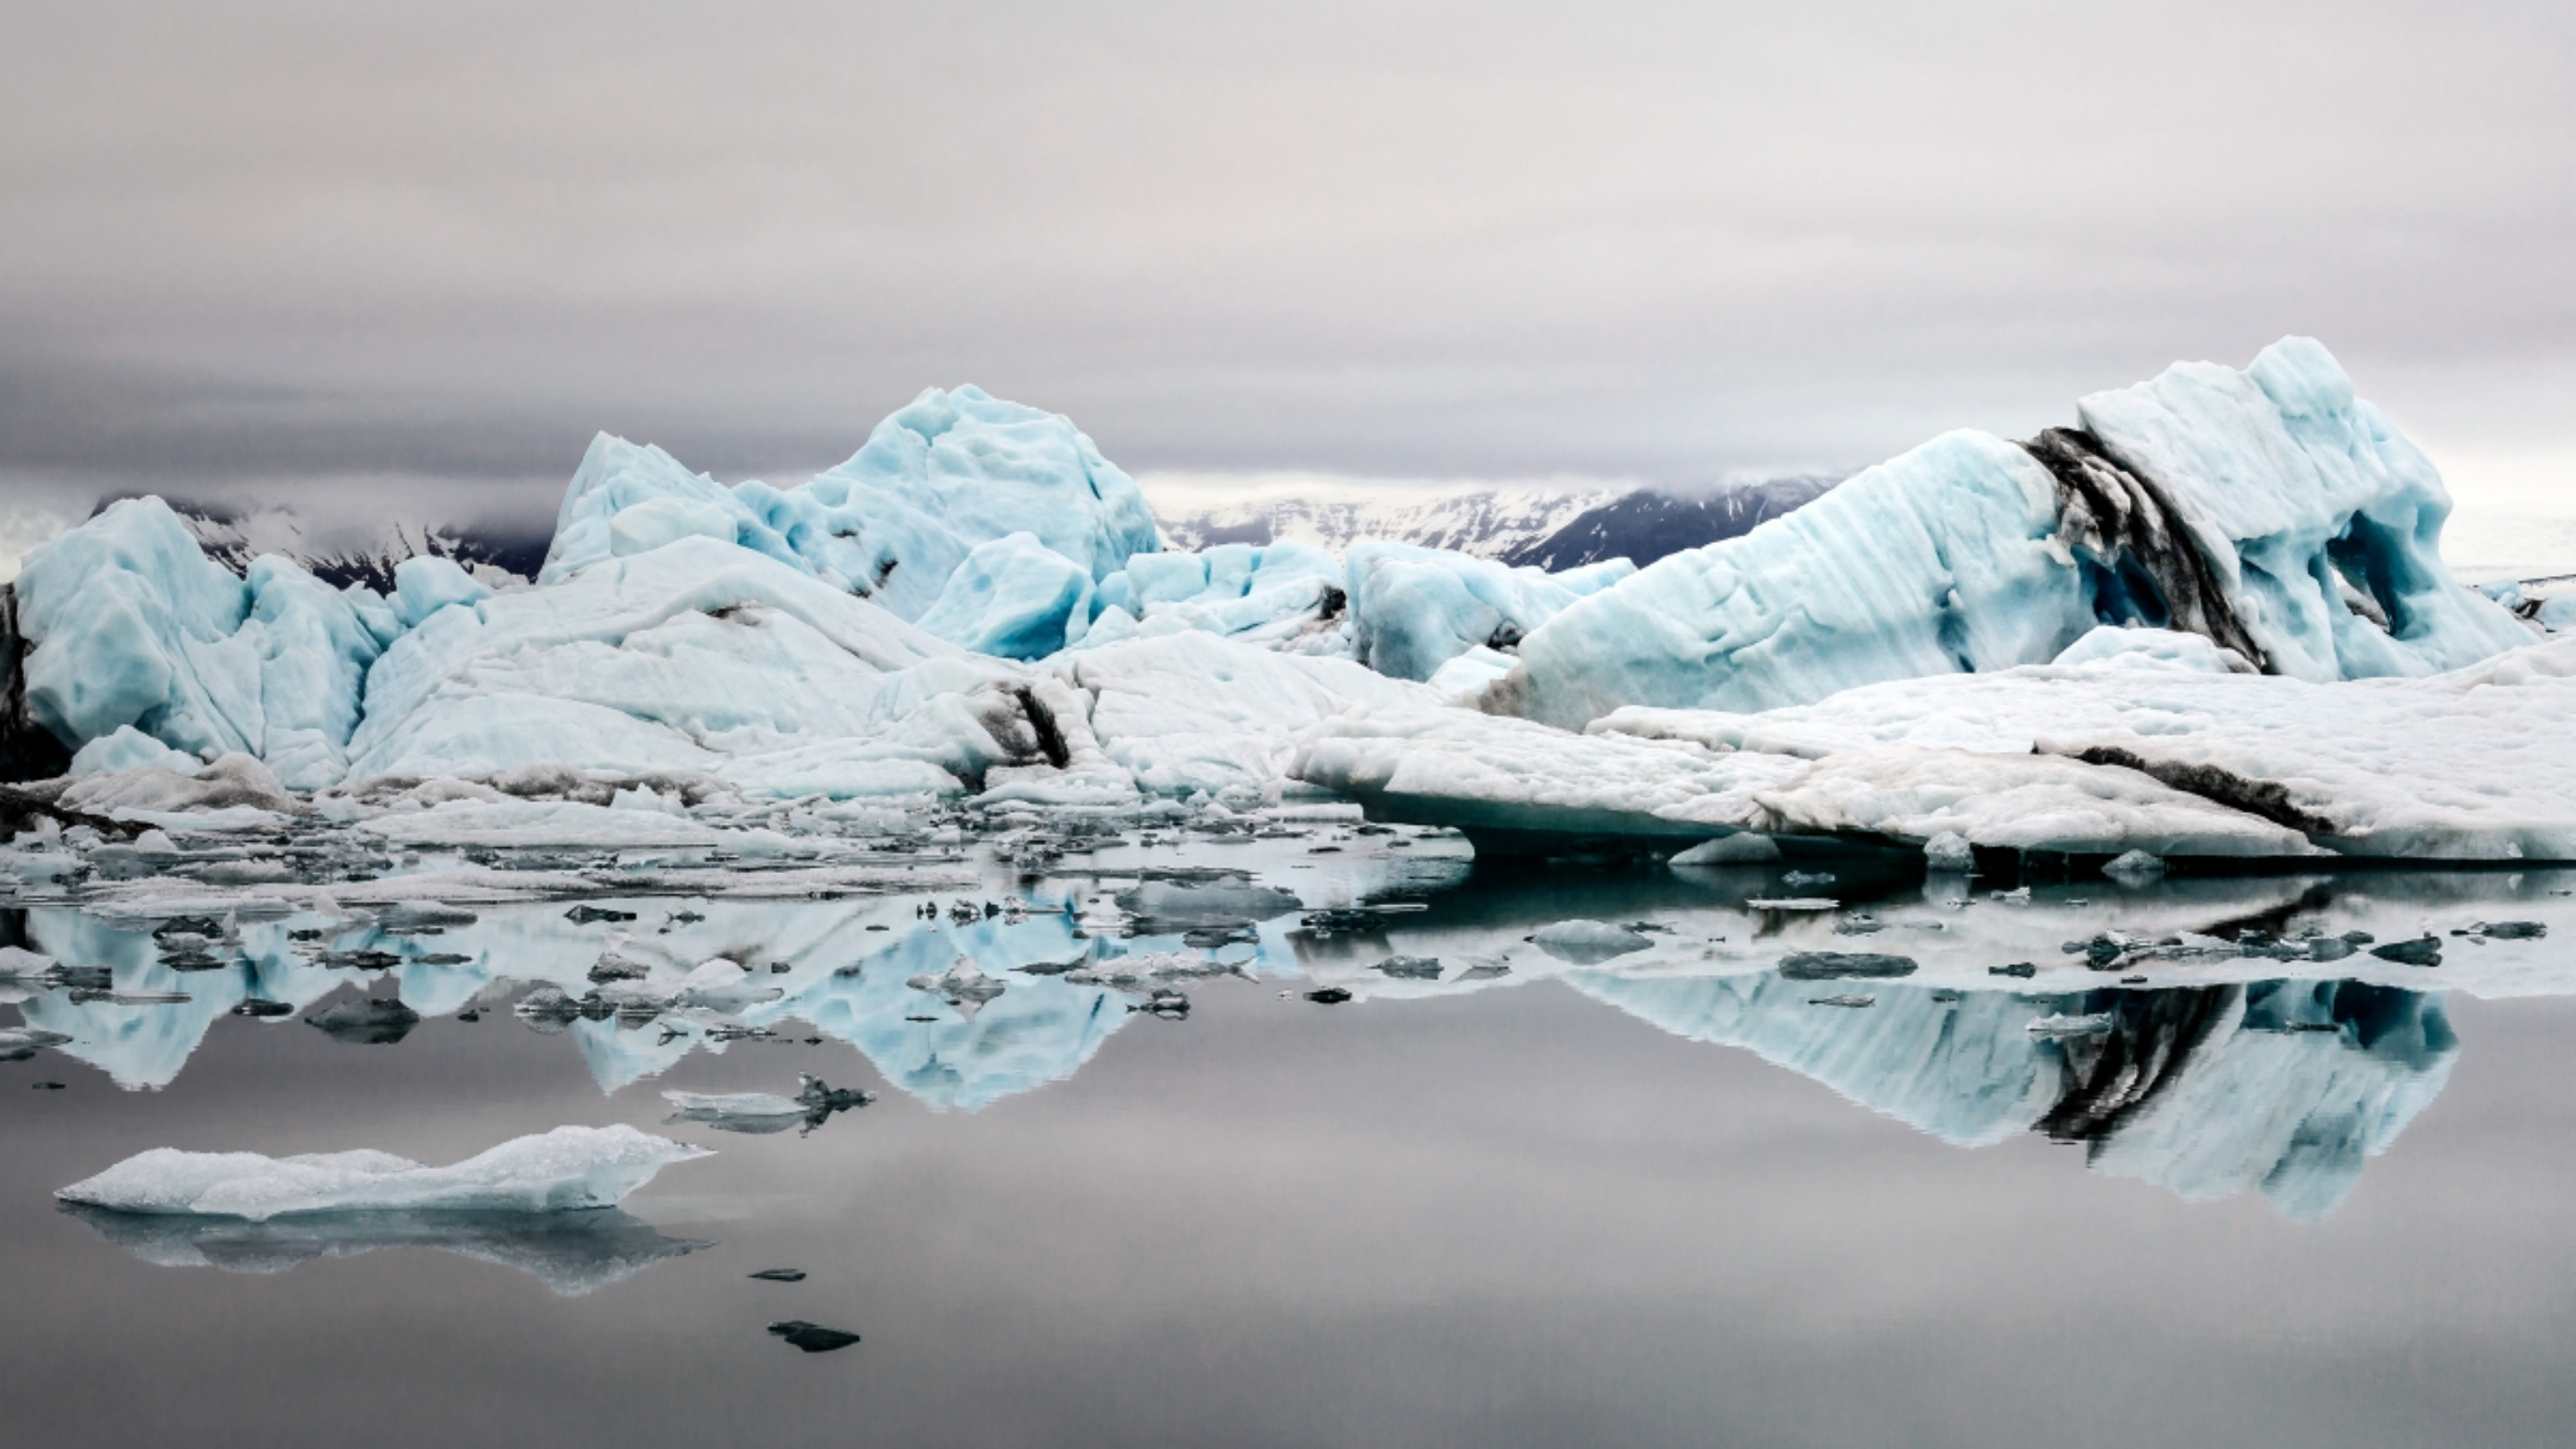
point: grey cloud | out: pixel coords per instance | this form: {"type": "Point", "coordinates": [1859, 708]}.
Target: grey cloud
{"type": "Point", "coordinates": [1666, 241]}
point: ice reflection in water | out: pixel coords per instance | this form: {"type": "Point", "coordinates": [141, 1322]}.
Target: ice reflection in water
{"type": "Point", "coordinates": [572, 1253]}
{"type": "Point", "coordinates": [2212, 1055]}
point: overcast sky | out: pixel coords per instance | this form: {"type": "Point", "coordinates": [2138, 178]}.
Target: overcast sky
{"type": "Point", "coordinates": [1668, 242]}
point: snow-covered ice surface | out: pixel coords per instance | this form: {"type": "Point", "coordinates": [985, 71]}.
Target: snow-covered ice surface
{"type": "Point", "coordinates": [564, 1170]}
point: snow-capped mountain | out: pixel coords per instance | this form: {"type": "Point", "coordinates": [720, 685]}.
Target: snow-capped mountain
{"type": "Point", "coordinates": [341, 553]}
{"type": "Point", "coordinates": [1485, 522]}
{"type": "Point", "coordinates": [1644, 526]}
{"type": "Point", "coordinates": [1554, 529]}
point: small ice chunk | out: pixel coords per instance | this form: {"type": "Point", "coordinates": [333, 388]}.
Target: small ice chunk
{"type": "Point", "coordinates": [2058, 1023]}
{"type": "Point", "coordinates": [1587, 942]}
{"type": "Point", "coordinates": [1742, 848]}
{"type": "Point", "coordinates": [567, 1168]}
{"type": "Point", "coordinates": [1949, 852]}
{"type": "Point", "coordinates": [2136, 867]}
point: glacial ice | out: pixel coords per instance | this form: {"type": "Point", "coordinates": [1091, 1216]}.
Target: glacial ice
{"type": "Point", "coordinates": [567, 1168]}
{"type": "Point", "coordinates": [944, 474]}
{"type": "Point", "coordinates": [1498, 778]}
{"type": "Point", "coordinates": [976, 607]}
{"type": "Point", "coordinates": [2467, 765]}
{"type": "Point", "coordinates": [1279, 595]}
{"type": "Point", "coordinates": [128, 748]}
{"type": "Point", "coordinates": [1415, 609]}
{"type": "Point", "coordinates": [2308, 533]}
{"type": "Point", "coordinates": [1013, 597]}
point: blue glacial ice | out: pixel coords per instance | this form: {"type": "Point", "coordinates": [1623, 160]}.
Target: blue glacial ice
{"type": "Point", "coordinates": [2269, 508]}
{"type": "Point", "coordinates": [976, 605]}
{"type": "Point", "coordinates": [1415, 609]}
{"type": "Point", "coordinates": [131, 626]}
{"type": "Point", "coordinates": [942, 475]}
{"type": "Point", "coordinates": [1014, 598]}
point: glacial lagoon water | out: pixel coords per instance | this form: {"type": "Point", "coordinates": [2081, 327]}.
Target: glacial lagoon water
{"type": "Point", "coordinates": [1709, 1177]}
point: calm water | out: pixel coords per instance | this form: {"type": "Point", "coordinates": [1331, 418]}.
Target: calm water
{"type": "Point", "coordinates": [1664, 1198]}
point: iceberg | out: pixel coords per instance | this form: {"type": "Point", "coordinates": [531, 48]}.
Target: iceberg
{"type": "Point", "coordinates": [936, 479]}
{"type": "Point", "coordinates": [975, 611]}
{"type": "Point", "coordinates": [2269, 510]}
{"type": "Point", "coordinates": [567, 1168]}
{"type": "Point", "coordinates": [1512, 784]}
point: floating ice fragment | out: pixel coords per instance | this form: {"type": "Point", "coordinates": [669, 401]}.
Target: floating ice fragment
{"type": "Point", "coordinates": [375, 1021]}
{"type": "Point", "coordinates": [2136, 867]}
{"type": "Point", "coordinates": [1948, 852]}
{"type": "Point", "coordinates": [1587, 942]}
{"type": "Point", "coordinates": [2060, 1024]}
{"type": "Point", "coordinates": [569, 1167]}
{"type": "Point", "coordinates": [2422, 951]}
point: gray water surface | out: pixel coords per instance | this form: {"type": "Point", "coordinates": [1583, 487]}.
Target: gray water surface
{"type": "Point", "coordinates": [1559, 1204]}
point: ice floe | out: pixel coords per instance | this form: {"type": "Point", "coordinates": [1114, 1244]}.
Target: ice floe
{"type": "Point", "coordinates": [565, 1169]}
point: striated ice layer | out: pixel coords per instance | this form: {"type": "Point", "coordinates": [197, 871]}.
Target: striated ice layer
{"type": "Point", "coordinates": [2469, 765]}
{"type": "Point", "coordinates": [1496, 776]}
{"type": "Point", "coordinates": [2270, 509]}
{"type": "Point", "coordinates": [1943, 560]}
{"type": "Point", "coordinates": [567, 1168]}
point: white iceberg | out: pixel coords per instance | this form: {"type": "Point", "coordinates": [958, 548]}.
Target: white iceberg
{"type": "Point", "coordinates": [567, 1168]}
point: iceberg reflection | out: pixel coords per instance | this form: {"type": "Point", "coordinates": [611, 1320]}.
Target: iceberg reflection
{"type": "Point", "coordinates": [572, 1253]}
{"type": "Point", "coordinates": [2187, 1033]}
{"type": "Point", "coordinates": [2285, 1087]}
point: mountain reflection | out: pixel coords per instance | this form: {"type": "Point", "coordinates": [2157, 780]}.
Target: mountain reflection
{"type": "Point", "coordinates": [2229, 1072]}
